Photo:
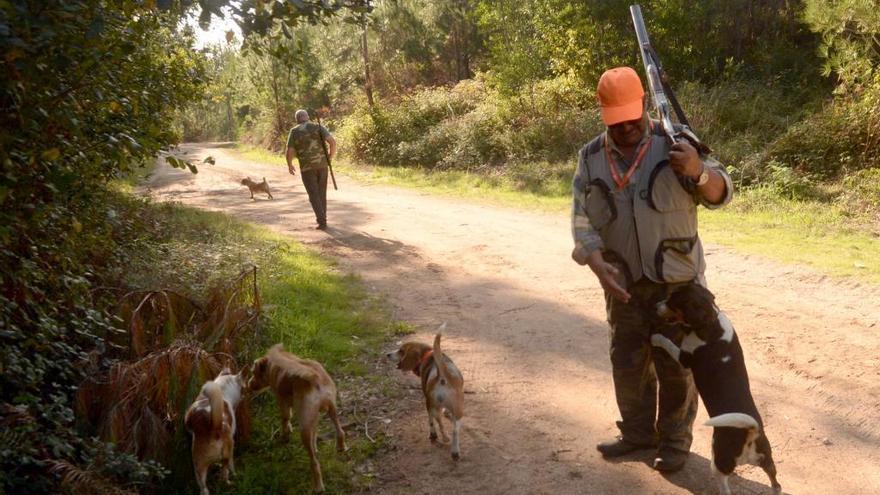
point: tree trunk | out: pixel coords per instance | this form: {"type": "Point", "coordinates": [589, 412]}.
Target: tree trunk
{"type": "Point", "coordinates": [368, 81]}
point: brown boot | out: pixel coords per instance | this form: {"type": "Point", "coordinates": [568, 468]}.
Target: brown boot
{"type": "Point", "coordinates": [619, 447]}
{"type": "Point", "coordinates": [670, 460]}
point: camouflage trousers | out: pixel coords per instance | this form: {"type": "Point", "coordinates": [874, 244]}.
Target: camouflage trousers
{"type": "Point", "coordinates": [315, 181]}
{"type": "Point", "coordinates": [638, 368]}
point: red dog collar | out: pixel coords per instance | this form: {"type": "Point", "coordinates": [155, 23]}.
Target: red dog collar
{"type": "Point", "coordinates": [422, 362]}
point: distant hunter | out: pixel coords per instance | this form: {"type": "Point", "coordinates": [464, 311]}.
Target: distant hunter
{"type": "Point", "coordinates": [307, 143]}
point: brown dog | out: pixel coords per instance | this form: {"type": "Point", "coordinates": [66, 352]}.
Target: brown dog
{"type": "Point", "coordinates": [301, 385]}
{"type": "Point", "coordinates": [256, 186]}
{"type": "Point", "coordinates": [211, 420]}
{"type": "Point", "coordinates": [442, 385]}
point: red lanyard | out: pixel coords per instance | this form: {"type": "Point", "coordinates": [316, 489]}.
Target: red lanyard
{"type": "Point", "coordinates": [621, 183]}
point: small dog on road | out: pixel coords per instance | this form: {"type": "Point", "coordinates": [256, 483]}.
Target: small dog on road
{"type": "Point", "coordinates": [712, 351]}
{"type": "Point", "coordinates": [303, 386]}
{"type": "Point", "coordinates": [256, 186]}
{"type": "Point", "coordinates": [442, 385]}
{"type": "Point", "coordinates": [211, 420]}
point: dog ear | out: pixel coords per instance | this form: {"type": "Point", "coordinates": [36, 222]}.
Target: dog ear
{"type": "Point", "coordinates": [409, 357]}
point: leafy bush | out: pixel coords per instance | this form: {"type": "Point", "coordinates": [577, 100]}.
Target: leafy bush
{"type": "Point", "coordinates": [88, 89]}
{"type": "Point", "coordinates": [843, 137]}
{"type": "Point", "coordinates": [783, 182]}
{"type": "Point", "coordinates": [472, 126]}
{"type": "Point", "coordinates": [861, 193]}
{"type": "Point", "coordinates": [738, 118]}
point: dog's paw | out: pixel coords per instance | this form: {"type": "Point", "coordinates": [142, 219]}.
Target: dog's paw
{"type": "Point", "coordinates": [456, 456]}
{"type": "Point", "coordinates": [432, 437]}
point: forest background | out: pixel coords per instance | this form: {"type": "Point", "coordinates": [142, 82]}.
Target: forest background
{"type": "Point", "coordinates": [786, 92]}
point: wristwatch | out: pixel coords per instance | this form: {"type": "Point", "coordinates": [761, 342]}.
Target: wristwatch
{"type": "Point", "coordinates": [703, 178]}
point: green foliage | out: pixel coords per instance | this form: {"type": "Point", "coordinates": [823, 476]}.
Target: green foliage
{"type": "Point", "coordinates": [849, 30]}
{"type": "Point", "coordinates": [314, 310]}
{"type": "Point", "coordinates": [861, 194]}
{"type": "Point", "coordinates": [842, 137]}
{"type": "Point", "coordinates": [471, 126]}
{"type": "Point", "coordinates": [783, 182]}
{"type": "Point", "coordinates": [696, 40]}
{"type": "Point", "coordinates": [88, 90]}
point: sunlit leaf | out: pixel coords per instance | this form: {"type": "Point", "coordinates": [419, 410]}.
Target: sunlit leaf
{"type": "Point", "coordinates": [51, 154]}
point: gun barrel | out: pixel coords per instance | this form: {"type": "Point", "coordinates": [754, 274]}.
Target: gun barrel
{"type": "Point", "coordinates": [639, 25]}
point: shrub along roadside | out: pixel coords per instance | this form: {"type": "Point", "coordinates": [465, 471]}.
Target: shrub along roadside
{"type": "Point", "coordinates": [309, 306]}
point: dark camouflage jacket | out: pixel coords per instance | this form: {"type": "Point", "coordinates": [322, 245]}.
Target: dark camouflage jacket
{"type": "Point", "coordinates": [306, 139]}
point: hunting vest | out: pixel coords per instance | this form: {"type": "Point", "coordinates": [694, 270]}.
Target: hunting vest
{"type": "Point", "coordinates": [650, 225]}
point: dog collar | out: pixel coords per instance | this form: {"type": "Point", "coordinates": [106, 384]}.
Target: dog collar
{"type": "Point", "coordinates": [422, 362]}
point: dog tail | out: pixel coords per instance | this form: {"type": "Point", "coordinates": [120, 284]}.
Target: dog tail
{"type": "Point", "coordinates": [734, 420]}
{"type": "Point", "coordinates": [438, 358]}
{"type": "Point", "coordinates": [215, 400]}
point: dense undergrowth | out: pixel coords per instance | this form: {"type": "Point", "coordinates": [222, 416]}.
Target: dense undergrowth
{"type": "Point", "coordinates": [308, 306]}
{"type": "Point", "coordinates": [133, 396]}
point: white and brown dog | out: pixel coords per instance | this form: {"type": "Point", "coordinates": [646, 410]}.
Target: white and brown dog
{"type": "Point", "coordinates": [211, 421]}
{"type": "Point", "coordinates": [303, 387]}
{"type": "Point", "coordinates": [442, 385]}
{"type": "Point", "coordinates": [257, 186]}
{"type": "Point", "coordinates": [712, 351]}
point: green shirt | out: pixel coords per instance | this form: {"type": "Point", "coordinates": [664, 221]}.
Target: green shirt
{"type": "Point", "coordinates": [308, 141]}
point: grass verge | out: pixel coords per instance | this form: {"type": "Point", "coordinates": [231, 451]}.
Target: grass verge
{"type": "Point", "coordinates": [316, 311]}
{"type": "Point", "coordinates": [819, 234]}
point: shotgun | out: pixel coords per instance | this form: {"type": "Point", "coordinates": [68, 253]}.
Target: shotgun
{"type": "Point", "coordinates": [659, 86]}
{"type": "Point", "coordinates": [326, 154]}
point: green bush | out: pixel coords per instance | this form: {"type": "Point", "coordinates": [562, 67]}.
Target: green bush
{"type": "Point", "coordinates": [783, 182]}
{"type": "Point", "coordinates": [738, 119]}
{"type": "Point", "coordinates": [861, 193]}
{"type": "Point", "coordinates": [841, 138]}
{"type": "Point", "coordinates": [472, 126]}
{"type": "Point", "coordinates": [89, 90]}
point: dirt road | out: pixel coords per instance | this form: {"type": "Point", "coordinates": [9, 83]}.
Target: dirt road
{"type": "Point", "coordinates": [527, 328]}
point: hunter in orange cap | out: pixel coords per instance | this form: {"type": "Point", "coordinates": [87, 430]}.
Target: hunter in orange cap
{"type": "Point", "coordinates": [621, 96]}
{"type": "Point", "coordinates": [634, 223]}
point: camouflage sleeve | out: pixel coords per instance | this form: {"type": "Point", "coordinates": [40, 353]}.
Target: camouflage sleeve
{"type": "Point", "coordinates": [290, 139]}
{"type": "Point", "coordinates": [728, 184]}
{"type": "Point", "coordinates": [325, 134]}
{"type": "Point", "coordinates": [581, 229]}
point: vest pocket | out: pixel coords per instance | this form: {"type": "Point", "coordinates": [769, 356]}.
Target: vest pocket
{"type": "Point", "coordinates": [666, 192]}
{"type": "Point", "coordinates": [673, 261]}
{"type": "Point", "coordinates": [600, 206]}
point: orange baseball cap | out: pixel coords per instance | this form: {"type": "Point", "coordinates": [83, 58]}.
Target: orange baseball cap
{"type": "Point", "coordinates": [620, 95]}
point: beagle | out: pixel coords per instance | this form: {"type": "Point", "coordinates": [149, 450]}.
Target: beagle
{"type": "Point", "coordinates": [304, 387]}
{"type": "Point", "coordinates": [442, 385]}
{"type": "Point", "coordinates": [211, 421]}
{"type": "Point", "coordinates": [712, 351]}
